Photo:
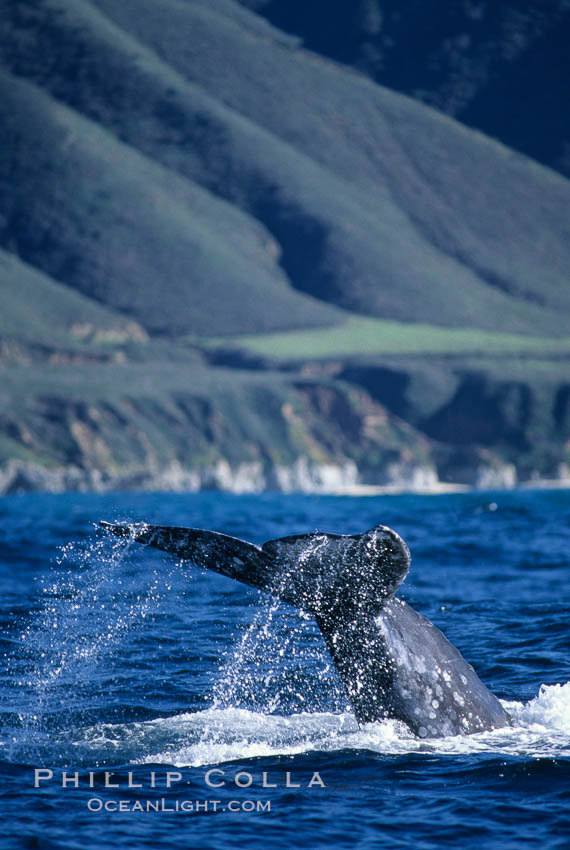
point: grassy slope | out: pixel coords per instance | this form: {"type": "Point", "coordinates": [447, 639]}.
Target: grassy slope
{"type": "Point", "coordinates": [448, 204]}
{"type": "Point", "coordinates": [316, 154]}
{"type": "Point", "coordinates": [500, 67]}
{"type": "Point", "coordinates": [362, 336]}
{"type": "Point", "coordinates": [35, 310]}
{"type": "Point", "coordinates": [100, 217]}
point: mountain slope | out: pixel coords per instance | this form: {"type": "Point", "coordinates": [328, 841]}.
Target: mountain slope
{"type": "Point", "coordinates": [374, 203]}
{"type": "Point", "coordinates": [37, 311]}
{"type": "Point", "coordinates": [502, 67]}
{"type": "Point", "coordinates": [96, 215]}
{"type": "Point", "coordinates": [465, 196]}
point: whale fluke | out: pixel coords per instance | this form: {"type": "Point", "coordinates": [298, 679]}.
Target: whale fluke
{"type": "Point", "coordinates": [221, 553]}
{"type": "Point", "coordinates": [392, 661]}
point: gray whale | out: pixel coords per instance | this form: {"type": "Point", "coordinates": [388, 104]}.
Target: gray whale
{"type": "Point", "coordinates": [392, 661]}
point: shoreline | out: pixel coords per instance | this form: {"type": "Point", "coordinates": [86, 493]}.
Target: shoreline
{"type": "Point", "coordinates": [305, 477]}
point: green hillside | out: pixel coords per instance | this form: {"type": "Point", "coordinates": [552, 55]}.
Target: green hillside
{"type": "Point", "coordinates": [228, 262]}
{"type": "Point", "coordinates": [445, 200]}
{"type": "Point", "coordinates": [361, 336]}
{"type": "Point", "coordinates": [100, 217]}
{"type": "Point", "coordinates": [37, 311]}
{"type": "Point", "coordinates": [372, 201]}
{"type": "Point", "coordinates": [501, 67]}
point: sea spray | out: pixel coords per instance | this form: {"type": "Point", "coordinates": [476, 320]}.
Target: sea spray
{"type": "Point", "coordinates": [279, 665]}
{"type": "Point", "coordinates": [89, 602]}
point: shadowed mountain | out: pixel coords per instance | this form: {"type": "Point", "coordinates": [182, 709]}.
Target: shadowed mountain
{"type": "Point", "coordinates": [502, 67]}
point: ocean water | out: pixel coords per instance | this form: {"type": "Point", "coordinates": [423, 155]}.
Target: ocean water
{"type": "Point", "coordinates": [215, 710]}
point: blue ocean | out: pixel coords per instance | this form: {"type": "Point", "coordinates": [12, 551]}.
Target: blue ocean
{"type": "Point", "coordinates": [148, 703]}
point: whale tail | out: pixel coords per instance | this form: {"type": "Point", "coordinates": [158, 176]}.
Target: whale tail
{"type": "Point", "coordinates": [392, 661]}
{"type": "Point", "coordinates": [319, 572]}
{"type": "Point", "coordinates": [339, 574]}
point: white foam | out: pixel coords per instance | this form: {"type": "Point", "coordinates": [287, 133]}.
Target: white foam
{"type": "Point", "coordinates": [541, 728]}
{"type": "Point", "coordinates": [550, 709]}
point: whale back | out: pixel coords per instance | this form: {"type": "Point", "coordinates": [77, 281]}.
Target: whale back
{"type": "Point", "coordinates": [398, 665]}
